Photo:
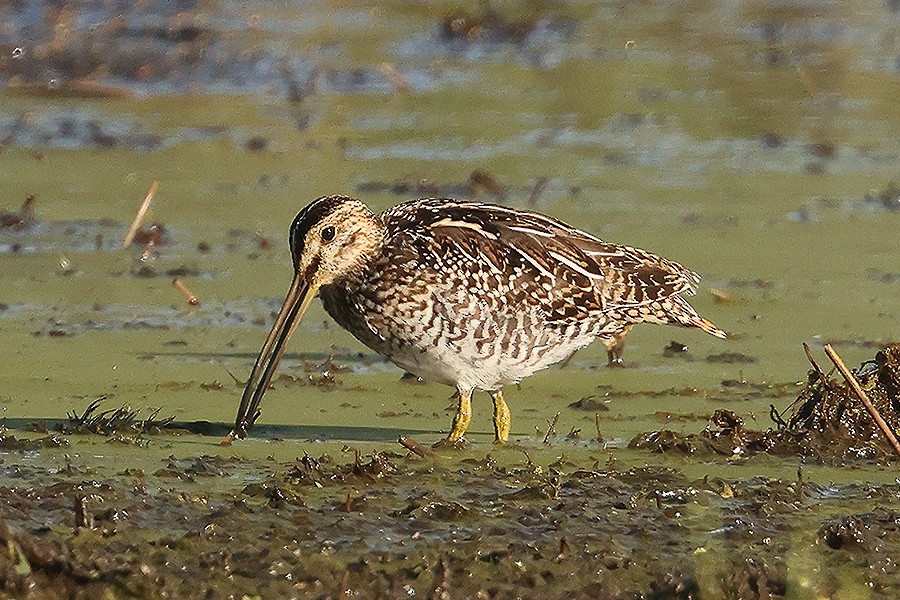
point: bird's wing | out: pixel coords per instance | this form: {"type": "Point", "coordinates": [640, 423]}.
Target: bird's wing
{"type": "Point", "coordinates": [583, 272]}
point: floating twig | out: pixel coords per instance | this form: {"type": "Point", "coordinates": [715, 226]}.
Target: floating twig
{"type": "Point", "coordinates": [776, 417]}
{"type": "Point", "coordinates": [141, 213]}
{"type": "Point", "coordinates": [528, 461]}
{"type": "Point", "coordinates": [854, 385]}
{"type": "Point", "coordinates": [413, 446]}
{"type": "Point", "coordinates": [814, 364]}
{"type": "Point", "coordinates": [597, 425]}
{"type": "Point", "coordinates": [237, 381]}
{"type": "Point", "coordinates": [551, 428]}
{"type": "Point", "coordinates": [188, 294]}
{"type": "Point", "coordinates": [393, 75]}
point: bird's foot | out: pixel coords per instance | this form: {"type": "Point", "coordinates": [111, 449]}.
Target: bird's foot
{"type": "Point", "coordinates": [614, 359]}
{"type": "Point", "coordinates": [448, 444]}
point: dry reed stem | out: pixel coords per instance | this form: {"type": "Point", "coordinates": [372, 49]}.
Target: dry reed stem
{"type": "Point", "coordinates": [184, 291]}
{"type": "Point", "coordinates": [141, 213]}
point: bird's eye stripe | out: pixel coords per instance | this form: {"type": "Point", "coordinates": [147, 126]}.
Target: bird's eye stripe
{"type": "Point", "coordinates": [328, 233]}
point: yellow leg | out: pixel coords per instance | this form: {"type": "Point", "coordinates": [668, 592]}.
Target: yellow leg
{"type": "Point", "coordinates": [615, 344]}
{"type": "Point", "coordinates": [463, 416]}
{"type": "Point", "coordinates": [501, 418]}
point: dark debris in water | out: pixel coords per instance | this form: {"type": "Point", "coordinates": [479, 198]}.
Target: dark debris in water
{"type": "Point", "coordinates": [489, 29]}
{"type": "Point", "coordinates": [111, 51]}
{"type": "Point", "coordinates": [21, 219]}
{"type": "Point", "coordinates": [489, 25]}
{"type": "Point", "coordinates": [202, 466]}
{"type": "Point", "coordinates": [834, 419]}
{"type": "Point", "coordinates": [817, 209]}
{"type": "Point", "coordinates": [589, 403]}
{"type": "Point", "coordinates": [886, 277]}
{"type": "Point", "coordinates": [10, 443]}
{"type": "Point", "coordinates": [861, 534]}
{"type": "Point", "coordinates": [118, 51]}
{"type": "Point", "coordinates": [481, 183]}
{"type": "Point", "coordinates": [725, 435]}
{"type": "Point", "coordinates": [114, 422]}
{"type": "Point", "coordinates": [731, 358]}
{"type": "Point", "coordinates": [729, 390]}
{"type": "Point", "coordinates": [827, 422]}
{"type": "Point", "coordinates": [85, 129]}
{"type": "Point", "coordinates": [676, 349]}
{"type": "Point", "coordinates": [887, 199]}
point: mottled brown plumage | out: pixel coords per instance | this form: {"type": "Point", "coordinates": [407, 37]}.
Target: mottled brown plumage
{"type": "Point", "coordinates": [472, 295]}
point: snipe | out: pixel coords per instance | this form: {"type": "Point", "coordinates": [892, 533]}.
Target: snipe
{"type": "Point", "coordinates": [472, 295]}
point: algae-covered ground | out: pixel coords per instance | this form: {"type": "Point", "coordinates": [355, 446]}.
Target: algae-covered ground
{"type": "Point", "coordinates": [756, 142]}
{"type": "Point", "coordinates": [503, 523]}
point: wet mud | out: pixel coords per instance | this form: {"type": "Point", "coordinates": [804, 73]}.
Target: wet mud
{"type": "Point", "coordinates": [392, 524]}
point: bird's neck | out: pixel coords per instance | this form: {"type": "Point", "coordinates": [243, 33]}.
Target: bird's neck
{"type": "Point", "coordinates": [369, 263]}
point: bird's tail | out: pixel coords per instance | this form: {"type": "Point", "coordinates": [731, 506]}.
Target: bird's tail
{"type": "Point", "coordinates": [707, 326]}
{"type": "Point", "coordinates": [685, 315]}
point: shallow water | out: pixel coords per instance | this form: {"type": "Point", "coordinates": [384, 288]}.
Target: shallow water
{"type": "Point", "coordinates": [754, 142]}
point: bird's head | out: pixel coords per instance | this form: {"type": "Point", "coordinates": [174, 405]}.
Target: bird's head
{"type": "Point", "coordinates": [333, 238]}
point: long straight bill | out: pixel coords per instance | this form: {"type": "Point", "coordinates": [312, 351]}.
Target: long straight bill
{"type": "Point", "coordinates": [292, 310]}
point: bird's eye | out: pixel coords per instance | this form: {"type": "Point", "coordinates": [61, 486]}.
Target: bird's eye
{"type": "Point", "coordinates": [328, 233]}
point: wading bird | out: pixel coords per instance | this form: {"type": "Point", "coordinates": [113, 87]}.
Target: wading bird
{"type": "Point", "coordinates": [472, 295]}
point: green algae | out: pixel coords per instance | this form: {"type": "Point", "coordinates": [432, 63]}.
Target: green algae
{"type": "Point", "coordinates": [743, 149]}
